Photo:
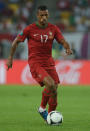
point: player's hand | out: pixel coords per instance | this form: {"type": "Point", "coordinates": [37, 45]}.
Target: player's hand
{"type": "Point", "coordinates": [9, 63]}
{"type": "Point", "coordinates": [69, 52]}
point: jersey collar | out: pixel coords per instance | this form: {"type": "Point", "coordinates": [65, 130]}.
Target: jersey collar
{"type": "Point", "coordinates": [37, 24]}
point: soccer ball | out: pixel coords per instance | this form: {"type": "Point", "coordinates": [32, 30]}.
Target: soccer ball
{"type": "Point", "coordinates": [54, 118]}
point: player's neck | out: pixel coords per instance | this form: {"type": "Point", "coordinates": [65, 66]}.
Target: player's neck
{"type": "Point", "coordinates": [41, 26]}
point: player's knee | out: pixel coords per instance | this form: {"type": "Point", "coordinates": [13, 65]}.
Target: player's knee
{"type": "Point", "coordinates": [51, 85]}
{"type": "Point", "coordinates": [49, 82]}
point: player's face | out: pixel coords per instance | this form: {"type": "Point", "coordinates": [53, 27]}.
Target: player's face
{"type": "Point", "coordinates": [42, 17]}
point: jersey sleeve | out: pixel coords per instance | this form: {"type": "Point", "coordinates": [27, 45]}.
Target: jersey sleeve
{"type": "Point", "coordinates": [24, 34]}
{"type": "Point", "coordinates": [58, 34]}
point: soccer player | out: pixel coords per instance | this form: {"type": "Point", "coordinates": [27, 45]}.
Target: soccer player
{"type": "Point", "coordinates": [40, 36]}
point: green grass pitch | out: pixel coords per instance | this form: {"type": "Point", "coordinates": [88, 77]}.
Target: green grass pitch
{"type": "Point", "coordinates": [18, 108]}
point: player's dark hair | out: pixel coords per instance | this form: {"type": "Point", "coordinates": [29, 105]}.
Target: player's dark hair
{"type": "Point", "coordinates": [42, 7]}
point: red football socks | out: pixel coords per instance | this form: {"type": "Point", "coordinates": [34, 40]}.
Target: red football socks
{"type": "Point", "coordinates": [52, 104]}
{"type": "Point", "coordinates": [45, 98]}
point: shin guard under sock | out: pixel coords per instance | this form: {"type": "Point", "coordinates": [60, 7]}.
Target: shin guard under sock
{"type": "Point", "coordinates": [52, 104]}
{"type": "Point", "coordinates": [45, 98]}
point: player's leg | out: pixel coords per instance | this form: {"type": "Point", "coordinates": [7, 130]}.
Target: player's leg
{"type": "Point", "coordinates": [39, 74]}
{"type": "Point", "coordinates": [46, 94]}
{"type": "Point", "coordinates": [52, 88]}
{"type": "Point", "coordinates": [45, 97]}
{"type": "Point", "coordinates": [53, 100]}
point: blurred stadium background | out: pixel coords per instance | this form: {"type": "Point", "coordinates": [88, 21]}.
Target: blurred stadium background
{"type": "Point", "coordinates": [18, 101]}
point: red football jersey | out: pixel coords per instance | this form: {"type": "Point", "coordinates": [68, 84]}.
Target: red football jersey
{"type": "Point", "coordinates": [40, 42]}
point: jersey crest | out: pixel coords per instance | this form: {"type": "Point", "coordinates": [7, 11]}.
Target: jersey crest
{"type": "Point", "coordinates": [50, 35]}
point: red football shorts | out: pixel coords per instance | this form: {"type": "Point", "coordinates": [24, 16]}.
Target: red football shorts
{"type": "Point", "coordinates": [39, 73]}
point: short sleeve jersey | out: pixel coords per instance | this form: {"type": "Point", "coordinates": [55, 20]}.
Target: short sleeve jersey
{"type": "Point", "coordinates": [40, 42]}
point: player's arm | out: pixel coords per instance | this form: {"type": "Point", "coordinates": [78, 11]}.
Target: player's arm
{"type": "Point", "coordinates": [66, 46]}
{"type": "Point", "coordinates": [20, 38]}
{"type": "Point", "coordinates": [12, 52]}
{"type": "Point", "coordinates": [60, 39]}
